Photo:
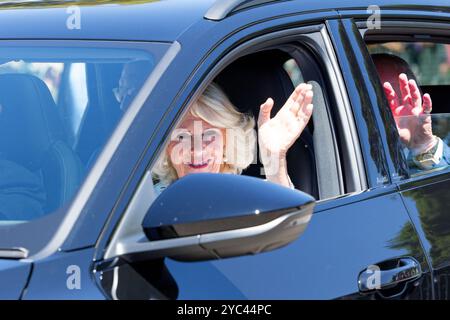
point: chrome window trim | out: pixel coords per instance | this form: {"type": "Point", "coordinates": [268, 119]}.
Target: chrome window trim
{"type": "Point", "coordinates": [410, 27]}
{"type": "Point", "coordinates": [13, 253]}
{"type": "Point", "coordinates": [349, 131]}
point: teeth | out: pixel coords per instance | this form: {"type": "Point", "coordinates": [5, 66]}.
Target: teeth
{"type": "Point", "coordinates": [199, 165]}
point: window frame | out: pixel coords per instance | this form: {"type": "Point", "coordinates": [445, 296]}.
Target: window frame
{"type": "Point", "coordinates": [313, 37]}
{"type": "Point", "coordinates": [429, 31]}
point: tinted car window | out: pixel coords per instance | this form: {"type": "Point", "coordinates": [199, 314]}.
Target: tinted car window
{"type": "Point", "coordinates": [58, 107]}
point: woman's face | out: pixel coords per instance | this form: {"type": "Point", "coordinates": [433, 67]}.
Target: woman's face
{"type": "Point", "coordinates": [196, 146]}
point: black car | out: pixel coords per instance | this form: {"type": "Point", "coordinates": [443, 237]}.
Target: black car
{"type": "Point", "coordinates": [79, 218]}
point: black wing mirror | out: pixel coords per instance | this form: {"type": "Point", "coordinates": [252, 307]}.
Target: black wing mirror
{"type": "Point", "coordinates": [211, 216]}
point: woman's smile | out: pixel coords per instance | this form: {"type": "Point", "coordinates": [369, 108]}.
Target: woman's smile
{"type": "Point", "coordinates": [199, 165]}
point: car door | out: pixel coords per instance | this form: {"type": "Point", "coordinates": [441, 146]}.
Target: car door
{"type": "Point", "coordinates": [351, 237]}
{"type": "Point", "coordinates": [345, 236]}
{"type": "Point", "coordinates": [424, 46]}
{"type": "Point", "coordinates": [13, 276]}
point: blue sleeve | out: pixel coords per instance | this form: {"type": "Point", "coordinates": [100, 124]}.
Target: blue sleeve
{"type": "Point", "coordinates": [445, 161]}
{"type": "Point", "coordinates": [446, 155]}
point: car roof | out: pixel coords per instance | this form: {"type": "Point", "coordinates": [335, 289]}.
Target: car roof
{"type": "Point", "coordinates": [153, 20]}
{"type": "Point", "coordinates": [101, 19]}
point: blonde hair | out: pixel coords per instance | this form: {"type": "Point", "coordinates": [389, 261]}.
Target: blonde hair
{"type": "Point", "coordinates": [214, 107]}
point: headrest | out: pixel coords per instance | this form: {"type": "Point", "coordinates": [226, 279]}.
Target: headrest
{"type": "Point", "coordinates": [29, 119]}
{"type": "Point", "coordinates": [248, 82]}
{"type": "Point", "coordinates": [262, 76]}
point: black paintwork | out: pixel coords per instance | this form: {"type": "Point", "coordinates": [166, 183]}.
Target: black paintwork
{"type": "Point", "coordinates": [390, 220]}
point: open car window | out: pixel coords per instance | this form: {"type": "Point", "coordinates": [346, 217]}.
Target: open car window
{"type": "Point", "coordinates": [421, 116]}
{"type": "Point", "coordinates": [429, 61]}
{"type": "Point", "coordinates": [246, 83]}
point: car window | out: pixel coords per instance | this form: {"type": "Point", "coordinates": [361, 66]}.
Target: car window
{"type": "Point", "coordinates": [227, 113]}
{"type": "Point", "coordinates": [416, 79]}
{"type": "Point", "coordinates": [429, 61]}
{"type": "Point", "coordinates": [59, 104]}
{"type": "Point", "coordinates": [67, 84]}
{"type": "Point", "coordinates": [50, 73]}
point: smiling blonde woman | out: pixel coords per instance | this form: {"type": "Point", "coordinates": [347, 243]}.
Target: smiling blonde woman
{"type": "Point", "coordinates": [215, 137]}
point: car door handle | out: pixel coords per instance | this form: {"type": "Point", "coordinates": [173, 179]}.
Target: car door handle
{"type": "Point", "coordinates": [388, 274]}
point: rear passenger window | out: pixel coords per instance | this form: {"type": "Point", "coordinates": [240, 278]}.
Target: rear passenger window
{"type": "Point", "coordinates": [58, 107]}
{"type": "Point", "coordinates": [416, 81]}
{"type": "Point", "coordinates": [429, 61]}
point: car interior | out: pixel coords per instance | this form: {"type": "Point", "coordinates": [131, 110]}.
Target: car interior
{"type": "Point", "coordinates": [438, 91]}
{"type": "Point", "coordinates": [313, 161]}
{"type": "Point", "coordinates": [102, 111]}
{"type": "Point", "coordinates": [32, 133]}
{"type": "Point", "coordinates": [248, 82]}
{"type": "Point", "coordinates": [37, 128]}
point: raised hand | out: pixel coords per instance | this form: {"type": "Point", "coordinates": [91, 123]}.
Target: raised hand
{"type": "Point", "coordinates": [411, 113]}
{"type": "Point", "coordinates": [276, 135]}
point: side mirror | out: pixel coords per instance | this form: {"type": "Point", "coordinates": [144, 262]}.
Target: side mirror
{"type": "Point", "coordinates": [211, 216]}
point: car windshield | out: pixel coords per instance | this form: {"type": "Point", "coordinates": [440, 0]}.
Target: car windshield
{"type": "Point", "coordinates": [59, 104]}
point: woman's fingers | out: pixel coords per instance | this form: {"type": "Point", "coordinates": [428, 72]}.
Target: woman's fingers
{"type": "Point", "coordinates": [295, 94]}
{"type": "Point", "coordinates": [295, 100]}
{"type": "Point", "coordinates": [305, 112]}
{"type": "Point", "coordinates": [308, 96]}
{"type": "Point", "coordinates": [301, 101]}
{"type": "Point", "coordinates": [264, 111]}
{"type": "Point", "coordinates": [291, 102]}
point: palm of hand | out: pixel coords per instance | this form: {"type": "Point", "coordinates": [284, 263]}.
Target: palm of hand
{"type": "Point", "coordinates": [411, 112]}
{"type": "Point", "coordinates": [278, 134]}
